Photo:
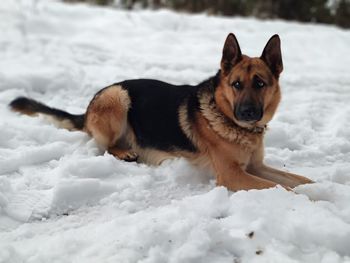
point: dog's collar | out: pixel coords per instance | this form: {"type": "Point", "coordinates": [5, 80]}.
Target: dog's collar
{"type": "Point", "coordinates": [256, 129]}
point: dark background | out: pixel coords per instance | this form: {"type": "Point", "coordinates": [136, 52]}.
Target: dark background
{"type": "Point", "coordinates": [318, 11]}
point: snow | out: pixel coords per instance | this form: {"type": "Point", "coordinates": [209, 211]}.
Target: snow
{"type": "Point", "coordinates": [63, 200]}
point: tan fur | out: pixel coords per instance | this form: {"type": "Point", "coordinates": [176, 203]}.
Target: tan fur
{"type": "Point", "coordinates": [123, 154]}
{"type": "Point", "coordinates": [106, 116]}
{"type": "Point", "coordinates": [185, 124]}
{"type": "Point", "coordinates": [153, 156]}
{"type": "Point", "coordinates": [25, 112]}
{"type": "Point", "coordinates": [64, 123]}
{"type": "Point", "coordinates": [228, 160]}
{"type": "Point", "coordinates": [60, 123]}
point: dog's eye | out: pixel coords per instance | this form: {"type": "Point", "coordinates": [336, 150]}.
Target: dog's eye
{"type": "Point", "coordinates": [260, 84]}
{"type": "Point", "coordinates": [237, 85]}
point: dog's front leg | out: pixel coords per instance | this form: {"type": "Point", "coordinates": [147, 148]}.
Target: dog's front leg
{"type": "Point", "coordinates": [278, 176]}
{"type": "Point", "coordinates": [258, 168]}
{"type": "Point", "coordinates": [225, 159]}
{"type": "Point", "coordinates": [232, 176]}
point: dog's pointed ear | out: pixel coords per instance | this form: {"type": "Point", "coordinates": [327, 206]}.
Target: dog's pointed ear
{"type": "Point", "coordinates": [272, 55]}
{"type": "Point", "coordinates": [231, 54]}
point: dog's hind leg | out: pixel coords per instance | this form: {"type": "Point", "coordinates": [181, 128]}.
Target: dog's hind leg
{"type": "Point", "coordinates": [106, 121]}
{"type": "Point", "coordinates": [123, 154]}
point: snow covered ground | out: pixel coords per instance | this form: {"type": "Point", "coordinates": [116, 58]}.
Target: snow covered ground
{"type": "Point", "coordinates": [63, 200]}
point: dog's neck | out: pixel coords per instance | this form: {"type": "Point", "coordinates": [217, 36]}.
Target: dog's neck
{"type": "Point", "coordinates": [215, 115]}
{"type": "Point", "coordinates": [225, 127]}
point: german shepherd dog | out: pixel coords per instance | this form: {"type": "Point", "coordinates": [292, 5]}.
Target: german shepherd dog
{"type": "Point", "coordinates": [218, 124]}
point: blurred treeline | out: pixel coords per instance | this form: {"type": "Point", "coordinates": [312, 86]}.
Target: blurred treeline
{"type": "Point", "coordinates": [319, 11]}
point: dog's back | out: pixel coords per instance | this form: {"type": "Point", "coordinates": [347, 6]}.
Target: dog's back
{"type": "Point", "coordinates": [154, 113]}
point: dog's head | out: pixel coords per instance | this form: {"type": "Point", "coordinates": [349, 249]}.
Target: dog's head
{"type": "Point", "coordinates": [248, 91]}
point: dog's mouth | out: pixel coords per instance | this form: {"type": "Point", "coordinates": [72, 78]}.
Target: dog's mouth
{"type": "Point", "coordinates": [246, 124]}
{"type": "Point", "coordinates": [251, 126]}
{"type": "Point", "coordinates": [248, 115]}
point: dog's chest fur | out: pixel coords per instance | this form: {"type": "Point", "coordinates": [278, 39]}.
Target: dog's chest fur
{"type": "Point", "coordinates": [224, 127]}
{"type": "Point", "coordinates": [222, 138]}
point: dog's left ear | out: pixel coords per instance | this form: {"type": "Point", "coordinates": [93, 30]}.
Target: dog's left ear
{"type": "Point", "coordinates": [272, 55]}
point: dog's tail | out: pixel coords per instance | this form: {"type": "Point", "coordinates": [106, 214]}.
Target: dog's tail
{"type": "Point", "coordinates": [59, 117]}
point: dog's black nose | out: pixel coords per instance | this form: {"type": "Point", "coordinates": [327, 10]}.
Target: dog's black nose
{"type": "Point", "coordinates": [248, 112]}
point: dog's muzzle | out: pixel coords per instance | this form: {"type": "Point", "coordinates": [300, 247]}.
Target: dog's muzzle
{"type": "Point", "coordinates": [248, 112]}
